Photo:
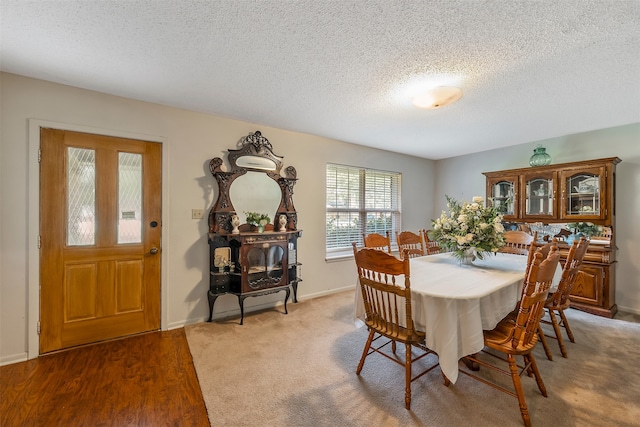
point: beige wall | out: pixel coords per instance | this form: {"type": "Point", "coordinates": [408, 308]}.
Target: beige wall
{"type": "Point", "coordinates": [621, 141]}
{"type": "Point", "coordinates": [190, 140]}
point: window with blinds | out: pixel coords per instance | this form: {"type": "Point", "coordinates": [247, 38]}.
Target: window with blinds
{"type": "Point", "coordinates": [360, 201]}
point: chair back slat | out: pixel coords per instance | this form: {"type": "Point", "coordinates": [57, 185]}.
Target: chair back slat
{"type": "Point", "coordinates": [431, 246]}
{"type": "Point", "coordinates": [377, 241]}
{"type": "Point", "coordinates": [386, 291]}
{"type": "Point", "coordinates": [412, 242]}
{"type": "Point", "coordinates": [538, 281]}
{"type": "Point", "coordinates": [543, 248]}
{"type": "Point", "coordinates": [570, 270]}
{"type": "Point", "coordinates": [516, 242]}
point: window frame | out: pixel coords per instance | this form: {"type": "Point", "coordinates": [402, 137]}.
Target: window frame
{"type": "Point", "coordinates": [389, 191]}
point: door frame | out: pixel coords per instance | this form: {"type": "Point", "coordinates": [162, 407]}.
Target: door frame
{"type": "Point", "coordinates": [33, 221]}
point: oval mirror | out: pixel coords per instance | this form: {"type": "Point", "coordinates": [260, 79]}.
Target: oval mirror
{"type": "Point", "coordinates": [255, 192]}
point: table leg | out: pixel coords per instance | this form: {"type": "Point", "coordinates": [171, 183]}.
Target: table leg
{"type": "Point", "coordinates": [286, 298]}
{"type": "Point", "coordinates": [212, 300]}
{"type": "Point", "coordinates": [241, 303]}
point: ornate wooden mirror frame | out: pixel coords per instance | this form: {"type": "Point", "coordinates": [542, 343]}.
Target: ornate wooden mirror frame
{"type": "Point", "coordinates": [255, 154]}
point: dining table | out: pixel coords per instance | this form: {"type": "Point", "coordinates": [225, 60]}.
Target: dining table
{"type": "Point", "coordinates": [454, 303]}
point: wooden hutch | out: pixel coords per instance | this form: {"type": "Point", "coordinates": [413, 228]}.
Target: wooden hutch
{"type": "Point", "coordinates": [243, 261]}
{"type": "Point", "coordinates": [549, 196]}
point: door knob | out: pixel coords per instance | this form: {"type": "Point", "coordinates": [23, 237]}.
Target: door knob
{"type": "Point", "coordinates": [153, 251]}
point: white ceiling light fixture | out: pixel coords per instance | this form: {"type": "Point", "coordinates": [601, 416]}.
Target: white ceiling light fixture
{"type": "Point", "coordinates": [437, 97]}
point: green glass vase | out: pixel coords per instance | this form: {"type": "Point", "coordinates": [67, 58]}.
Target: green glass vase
{"type": "Point", "coordinates": [540, 157]}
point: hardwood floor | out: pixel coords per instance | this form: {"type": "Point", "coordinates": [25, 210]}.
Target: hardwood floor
{"type": "Point", "coordinates": [145, 380]}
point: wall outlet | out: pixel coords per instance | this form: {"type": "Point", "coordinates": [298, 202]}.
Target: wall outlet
{"type": "Point", "coordinates": [197, 213]}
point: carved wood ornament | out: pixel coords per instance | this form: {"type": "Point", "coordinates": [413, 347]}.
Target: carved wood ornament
{"type": "Point", "coordinates": [255, 154]}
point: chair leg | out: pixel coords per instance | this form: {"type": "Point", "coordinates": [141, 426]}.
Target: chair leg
{"type": "Point", "coordinates": [365, 351]}
{"type": "Point", "coordinates": [565, 323]}
{"type": "Point", "coordinates": [543, 339]}
{"type": "Point", "coordinates": [532, 361]}
{"type": "Point", "coordinates": [407, 368]}
{"type": "Point", "coordinates": [393, 347]}
{"type": "Point", "coordinates": [556, 328]}
{"type": "Point", "coordinates": [515, 376]}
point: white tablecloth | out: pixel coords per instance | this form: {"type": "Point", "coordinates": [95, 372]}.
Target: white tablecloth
{"type": "Point", "coordinates": [454, 303]}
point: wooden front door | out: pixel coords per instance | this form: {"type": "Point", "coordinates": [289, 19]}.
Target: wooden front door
{"type": "Point", "coordinates": [100, 229]}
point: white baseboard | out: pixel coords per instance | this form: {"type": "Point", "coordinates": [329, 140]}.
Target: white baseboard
{"type": "Point", "coordinates": [21, 357]}
{"type": "Point", "coordinates": [14, 358]}
{"type": "Point", "coordinates": [329, 292]}
{"type": "Point", "coordinates": [628, 309]}
{"type": "Point", "coordinates": [266, 305]}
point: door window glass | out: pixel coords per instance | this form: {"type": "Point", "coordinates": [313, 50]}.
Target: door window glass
{"type": "Point", "coordinates": [129, 198]}
{"type": "Point", "coordinates": [81, 196]}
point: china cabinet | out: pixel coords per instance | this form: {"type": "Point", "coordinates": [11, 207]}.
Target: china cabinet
{"type": "Point", "coordinates": [243, 261]}
{"type": "Point", "coordinates": [567, 193]}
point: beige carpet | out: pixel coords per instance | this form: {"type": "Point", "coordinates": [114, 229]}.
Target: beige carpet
{"type": "Point", "coordinates": [299, 370]}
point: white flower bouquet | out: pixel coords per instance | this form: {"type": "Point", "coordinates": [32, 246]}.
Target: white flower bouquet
{"type": "Point", "coordinates": [468, 229]}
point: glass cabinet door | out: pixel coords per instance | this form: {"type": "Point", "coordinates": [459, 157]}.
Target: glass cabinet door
{"type": "Point", "coordinates": [264, 266]}
{"type": "Point", "coordinates": [583, 194]}
{"type": "Point", "coordinates": [502, 193]}
{"type": "Point", "coordinates": [539, 195]}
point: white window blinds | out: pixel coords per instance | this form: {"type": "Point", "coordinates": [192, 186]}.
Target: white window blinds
{"type": "Point", "coordinates": [360, 201]}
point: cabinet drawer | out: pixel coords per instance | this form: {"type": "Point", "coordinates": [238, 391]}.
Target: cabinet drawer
{"type": "Point", "coordinates": [219, 283]}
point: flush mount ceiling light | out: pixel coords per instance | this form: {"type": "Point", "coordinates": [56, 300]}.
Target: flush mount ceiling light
{"type": "Point", "coordinates": [437, 97]}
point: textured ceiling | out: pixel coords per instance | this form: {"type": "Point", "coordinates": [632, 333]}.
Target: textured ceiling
{"type": "Point", "coordinates": [529, 70]}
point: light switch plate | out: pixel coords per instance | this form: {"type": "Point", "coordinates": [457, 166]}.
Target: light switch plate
{"type": "Point", "coordinates": [197, 213]}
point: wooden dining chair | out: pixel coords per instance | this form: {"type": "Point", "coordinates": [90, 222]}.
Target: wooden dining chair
{"type": "Point", "coordinates": [543, 249]}
{"type": "Point", "coordinates": [377, 241]}
{"type": "Point", "coordinates": [511, 338]}
{"type": "Point", "coordinates": [386, 292]}
{"type": "Point", "coordinates": [432, 247]}
{"type": "Point", "coordinates": [516, 242]}
{"type": "Point", "coordinates": [558, 301]}
{"type": "Point", "coordinates": [412, 242]}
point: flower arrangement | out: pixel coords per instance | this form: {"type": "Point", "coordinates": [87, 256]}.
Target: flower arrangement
{"type": "Point", "coordinates": [257, 219]}
{"type": "Point", "coordinates": [469, 229]}
{"type": "Point", "coordinates": [589, 229]}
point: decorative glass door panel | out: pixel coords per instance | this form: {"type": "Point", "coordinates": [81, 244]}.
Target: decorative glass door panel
{"type": "Point", "coordinates": [129, 198]}
{"type": "Point", "coordinates": [582, 193]}
{"type": "Point", "coordinates": [503, 200]}
{"type": "Point", "coordinates": [81, 196]}
{"type": "Point", "coordinates": [539, 194]}
{"type": "Point", "coordinates": [539, 199]}
{"type": "Point", "coordinates": [264, 266]}
{"type": "Point", "coordinates": [503, 195]}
